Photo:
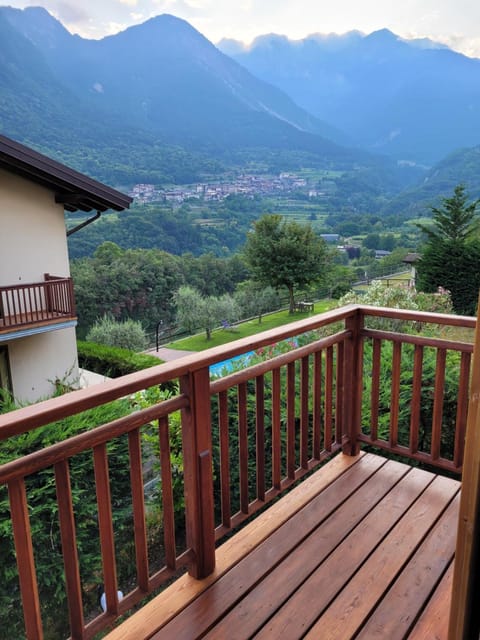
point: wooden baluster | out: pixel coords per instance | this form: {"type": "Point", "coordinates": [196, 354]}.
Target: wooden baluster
{"type": "Point", "coordinates": [329, 396]}
{"type": "Point", "coordinates": [47, 290]}
{"type": "Point", "coordinates": [395, 393]}
{"type": "Point", "coordinates": [276, 430]}
{"type": "Point", "coordinates": [198, 475]}
{"type": "Point", "coordinates": [291, 435]}
{"type": "Point", "coordinates": [304, 414]}
{"type": "Point", "coordinates": [224, 459]}
{"type": "Point", "coordinates": [138, 506]}
{"type": "Point", "coordinates": [167, 494]}
{"type": "Point", "coordinates": [69, 550]}
{"type": "Point", "coordinates": [339, 387]}
{"type": "Point", "coordinates": [71, 298]}
{"type": "Point", "coordinates": [243, 446]}
{"type": "Point", "coordinates": [317, 410]}
{"type": "Point", "coordinates": [105, 526]}
{"type": "Point", "coordinates": [439, 389]}
{"type": "Point", "coordinates": [416, 401]}
{"type": "Point", "coordinates": [375, 390]}
{"type": "Point", "coordinates": [37, 307]}
{"type": "Point", "coordinates": [25, 560]}
{"type": "Point", "coordinates": [462, 404]}
{"type": "Point", "coordinates": [260, 434]}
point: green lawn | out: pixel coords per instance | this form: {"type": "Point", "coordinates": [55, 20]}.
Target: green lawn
{"type": "Point", "coordinates": [199, 342]}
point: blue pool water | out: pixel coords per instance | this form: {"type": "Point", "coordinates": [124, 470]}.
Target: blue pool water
{"type": "Point", "coordinates": [226, 366]}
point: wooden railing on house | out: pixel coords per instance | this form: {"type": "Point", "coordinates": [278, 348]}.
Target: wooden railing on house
{"type": "Point", "coordinates": [354, 375]}
{"type": "Point", "coordinates": [36, 303]}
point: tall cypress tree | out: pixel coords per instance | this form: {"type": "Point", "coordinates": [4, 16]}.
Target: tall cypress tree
{"type": "Point", "coordinates": [451, 255]}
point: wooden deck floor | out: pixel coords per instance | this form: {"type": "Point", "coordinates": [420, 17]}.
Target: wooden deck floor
{"type": "Point", "coordinates": [361, 549]}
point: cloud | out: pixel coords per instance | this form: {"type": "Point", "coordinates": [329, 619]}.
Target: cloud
{"type": "Point", "coordinates": [130, 3]}
{"type": "Point", "coordinates": [181, 8]}
{"type": "Point", "coordinates": [468, 46]}
{"type": "Point", "coordinates": [67, 12]}
{"type": "Point", "coordinates": [112, 28]}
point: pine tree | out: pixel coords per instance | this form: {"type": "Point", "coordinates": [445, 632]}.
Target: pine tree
{"type": "Point", "coordinates": [451, 255]}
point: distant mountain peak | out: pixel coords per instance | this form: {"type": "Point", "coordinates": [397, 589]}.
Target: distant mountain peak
{"type": "Point", "coordinates": [383, 34]}
{"type": "Point", "coordinates": [231, 47]}
{"type": "Point", "coordinates": [37, 24]}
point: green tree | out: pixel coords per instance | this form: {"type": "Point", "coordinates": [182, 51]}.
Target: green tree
{"type": "Point", "coordinates": [285, 254]}
{"type": "Point", "coordinates": [255, 300]}
{"type": "Point", "coordinates": [451, 255]}
{"type": "Point", "coordinates": [134, 283]}
{"type": "Point", "coordinates": [126, 334]}
{"type": "Point", "coordinates": [195, 311]}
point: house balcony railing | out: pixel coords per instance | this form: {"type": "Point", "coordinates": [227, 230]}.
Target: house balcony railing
{"type": "Point", "coordinates": [356, 376]}
{"type": "Point", "coordinates": [24, 306]}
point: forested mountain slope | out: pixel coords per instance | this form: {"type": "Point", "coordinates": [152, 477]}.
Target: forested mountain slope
{"type": "Point", "coordinates": [157, 101]}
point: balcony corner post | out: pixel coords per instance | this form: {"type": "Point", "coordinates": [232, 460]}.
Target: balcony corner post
{"type": "Point", "coordinates": [353, 384]}
{"type": "Point", "coordinates": [198, 473]}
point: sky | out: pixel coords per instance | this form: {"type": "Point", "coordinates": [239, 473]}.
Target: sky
{"type": "Point", "coordinates": [452, 22]}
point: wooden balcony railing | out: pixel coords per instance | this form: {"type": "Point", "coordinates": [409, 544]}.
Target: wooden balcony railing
{"type": "Point", "coordinates": [224, 448]}
{"type": "Point", "coordinates": [36, 303]}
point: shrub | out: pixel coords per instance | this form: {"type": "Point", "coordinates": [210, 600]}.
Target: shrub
{"type": "Point", "coordinates": [112, 361]}
{"type": "Point", "coordinates": [127, 334]}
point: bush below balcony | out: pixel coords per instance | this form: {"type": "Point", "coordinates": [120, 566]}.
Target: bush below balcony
{"type": "Point", "coordinates": [112, 362]}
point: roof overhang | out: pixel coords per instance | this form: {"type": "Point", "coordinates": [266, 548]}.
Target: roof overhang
{"type": "Point", "coordinates": [74, 190]}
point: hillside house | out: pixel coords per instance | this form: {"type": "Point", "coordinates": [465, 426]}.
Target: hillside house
{"type": "Point", "coordinates": [37, 307]}
{"type": "Point", "coordinates": [411, 260]}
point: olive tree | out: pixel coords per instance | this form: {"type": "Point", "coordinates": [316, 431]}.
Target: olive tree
{"type": "Point", "coordinates": [195, 311]}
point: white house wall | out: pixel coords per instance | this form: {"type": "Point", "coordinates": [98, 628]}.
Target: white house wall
{"type": "Point", "coordinates": [38, 361]}
{"type": "Point", "coordinates": [32, 237]}
{"type": "Point", "coordinates": [32, 243]}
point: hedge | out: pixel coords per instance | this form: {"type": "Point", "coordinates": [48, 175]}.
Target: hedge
{"type": "Point", "coordinates": [112, 361]}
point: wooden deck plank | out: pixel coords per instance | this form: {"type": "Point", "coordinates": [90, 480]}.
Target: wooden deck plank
{"type": "Point", "coordinates": [345, 616]}
{"type": "Point", "coordinates": [161, 609]}
{"type": "Point", "coordinates": [295, 618]}
{"type": "Point", "coordinates": [356, 550]}
{"type": "Point", "coordinates": [211, 605]}
{"type": "Point", "coordinates": [433, 623]}
{"type": "Point", "coordinates": [416, 582]}
{"type": "Point", "coordinates": [257, 607]}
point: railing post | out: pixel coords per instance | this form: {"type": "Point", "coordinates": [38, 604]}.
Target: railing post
{"type": "Point", "coordinates": [71, 296]}
{"type": "Point", "coordinates": [464, 622]}
{"type": "Point", "coordinates": [353, 385]}
{"type": "Point", "coordinates": [198, 474]}
{"type": "Point", "coordinates": [48, 293]}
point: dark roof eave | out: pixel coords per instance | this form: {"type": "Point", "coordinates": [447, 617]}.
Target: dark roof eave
{"type": "Point", "coordinates": [73, 189]}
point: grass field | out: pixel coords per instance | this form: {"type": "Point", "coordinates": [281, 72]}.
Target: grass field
{"type": "Point", "coordinates": [199, 342]}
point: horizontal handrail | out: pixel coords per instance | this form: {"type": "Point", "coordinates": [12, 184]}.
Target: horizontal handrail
{"type": "Point", "coordinates": [243, 439]}
{"type": "Point", "coordinates": [27, 418]}
{"type": "Point", "coordinates": [55, 453]}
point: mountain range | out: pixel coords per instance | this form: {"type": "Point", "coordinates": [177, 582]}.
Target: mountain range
{"type": "Point", "coordinates": [160, 78]}
{"type": "Point", "coordinates": [411, 99]}
{"type": "Point", "coordinates": [160, 103]}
